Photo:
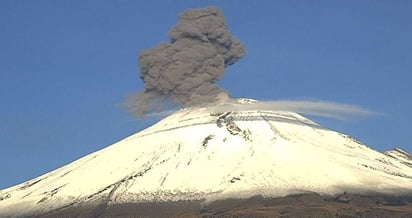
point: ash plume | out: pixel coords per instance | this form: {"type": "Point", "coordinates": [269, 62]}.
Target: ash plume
{"type": "Point", "coordinates": [184, 72]}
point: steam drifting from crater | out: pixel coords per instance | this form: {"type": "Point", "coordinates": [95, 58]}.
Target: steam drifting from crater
{"type": "Point", "coordinates": [333, 110]}
{"type": "Point", "coordinates": [318, 108]}
{"type": "Point", "coordinates": [184, 71]}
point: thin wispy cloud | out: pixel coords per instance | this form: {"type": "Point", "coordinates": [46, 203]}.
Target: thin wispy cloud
{"type": "Point", "coordinates": [333, 110]}
{"type": "Point", "coordinates": [326, 109]}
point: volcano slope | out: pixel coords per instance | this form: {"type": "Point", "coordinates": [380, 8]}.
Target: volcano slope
{"type": "Point", "coordinates": [202, 163]}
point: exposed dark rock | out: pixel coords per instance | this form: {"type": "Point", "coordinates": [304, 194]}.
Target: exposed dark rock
{"type": "Point", "coordinates": [206, 140]}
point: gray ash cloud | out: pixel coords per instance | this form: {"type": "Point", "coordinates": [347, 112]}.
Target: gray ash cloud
{"type": "Point", "coordinates": [184, 72]}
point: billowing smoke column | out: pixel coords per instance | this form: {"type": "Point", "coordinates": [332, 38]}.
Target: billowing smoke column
{"type": "Point", "coordinates": [185, 70]}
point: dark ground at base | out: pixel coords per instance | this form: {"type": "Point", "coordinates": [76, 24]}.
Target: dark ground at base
{"type": "Point", "coordinates": [305, 205]}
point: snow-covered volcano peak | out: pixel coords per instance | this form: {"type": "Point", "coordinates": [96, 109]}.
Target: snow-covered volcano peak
{"type": "Point", "coordinates": [205, 154]}
{"type": "Point", "coordinates": [246, 101]}
{"type": "Point", "coordinates": [212, 113]}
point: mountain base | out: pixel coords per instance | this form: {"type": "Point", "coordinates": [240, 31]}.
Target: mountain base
{"type": "Point", "coordinates": [304, 205]}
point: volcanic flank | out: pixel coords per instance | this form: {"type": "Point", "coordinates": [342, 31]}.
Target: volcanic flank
{"type": "Point", "coordinates": [218, 157]}
{"type": "Point", "coordinates": [196, 162]}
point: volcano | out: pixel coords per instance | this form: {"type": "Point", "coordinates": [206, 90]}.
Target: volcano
{"type": "Point", "coordinates": [201, 163]}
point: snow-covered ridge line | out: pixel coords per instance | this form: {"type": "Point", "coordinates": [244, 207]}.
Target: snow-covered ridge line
{"type": "Point", "coordinates": [401, 155]}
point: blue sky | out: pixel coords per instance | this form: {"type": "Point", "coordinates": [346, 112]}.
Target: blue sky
{"type": "Point", "coordinates": [66, 66]}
